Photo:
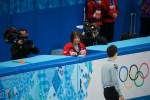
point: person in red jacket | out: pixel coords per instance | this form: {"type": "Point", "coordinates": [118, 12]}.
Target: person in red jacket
{"type": "Point", "coordinates": [110, 14]}
{"type": "Point", "coordinates": [75, 47]}
{"type": "Point", "coordinates": [94, 11]}
{"type": "Point", "coordinates": [145, 19]}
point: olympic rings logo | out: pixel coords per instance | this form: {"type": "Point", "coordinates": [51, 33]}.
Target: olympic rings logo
{"type": "Point", "coordinates": [133, 77]}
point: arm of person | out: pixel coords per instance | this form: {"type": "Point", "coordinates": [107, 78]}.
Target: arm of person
{"type": "Point", "coordinates": [111, 10]}
{"type": "Point", "coordinates": [83, 50]}
{"type": "Point", "coordinates": [116, 12]}
{"type": "Point", "coordinates": [66, 50]}
{"type": "Point", "coordinates": [116, 8]}
{"type": "Point", "coordinates": [121, 97]}
{"type": "Point", "coordinates": [105, 5]}
{"type": "Point", "coordinates": [34, 49]}
{"type": "Point", "coordinates": [90, 6]}
{"type": "Point", "coordinates": [106, 9]}
{"type": "Point", "coordinates": [115, 79]}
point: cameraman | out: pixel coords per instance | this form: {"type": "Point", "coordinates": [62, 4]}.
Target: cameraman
{"type": "Point", "coordinates": [23, 47]}
{"type": "Point", "coordinates": [91, 35]}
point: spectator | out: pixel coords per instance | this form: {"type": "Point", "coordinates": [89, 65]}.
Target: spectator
{"type": "Point", "coordinates": [75, 47]}
{"type": "Point", "coordinates": [145, 19]}
{"type": "Point", "coordinates": [109, 76]}
{"type": "Point", "coordinates": [110, 14]}
{"type": "Point", "coordinates": [93, 12]}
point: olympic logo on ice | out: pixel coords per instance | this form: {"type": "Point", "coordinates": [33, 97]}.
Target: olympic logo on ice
{"type": "Point", "coordinates": [134, 75]}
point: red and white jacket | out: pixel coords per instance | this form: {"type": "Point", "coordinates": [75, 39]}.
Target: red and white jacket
{"type": "Point", "coordinates": [110, 7]}
{"type": "Point", "coordinates": [94, 12]}
{"type": "Point", "coordinates": [70, 51]}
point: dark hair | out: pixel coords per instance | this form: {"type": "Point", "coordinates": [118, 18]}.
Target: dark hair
{"type": "Point", "coordinates": [73, 34]}
{"type": "Point", "coordinates": [111, 50]}
{"type": "Point", "coordinates": [22, 29]}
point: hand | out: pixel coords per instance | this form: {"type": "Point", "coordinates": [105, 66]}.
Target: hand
{"type": "Point", "coordinates": [83, 52]}
{"type": "Point", "coordinates": [121, 97]}
{"type": "Point", "coordinates": [97, 14]}
{"type": "Point", "coordinates": [6, 40]}
{"type": "Point", "coordinates": [73, 54]}
{"type": "Point", "coordinates": [115, 15]}
{"type": "Point", "coordinates": [83, 33]}
{"type": "Point", "coordinates": [95, 34]}
{"type": "Point", "coordinates": [32, 46]}
{"type": "Point", "coordinates": [20, 42]}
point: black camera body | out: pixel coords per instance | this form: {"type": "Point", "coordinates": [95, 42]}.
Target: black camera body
{"type": "Point", "coordinates": [92, 36]}
{"type": "Point", "coordinates": [90, 29]}
{"type": "Point", "coordinates": [11, 36]}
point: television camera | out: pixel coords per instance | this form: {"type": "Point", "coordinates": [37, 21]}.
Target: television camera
{"type": "Point", "coordinates": [11, 36]}
{"type": "Point", "coordinates": [91, 30]}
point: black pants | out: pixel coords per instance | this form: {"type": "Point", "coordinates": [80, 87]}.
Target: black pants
{"type": "Point", "coordinates": [110, 93]}
{"type": "Point", "coordinates": [108, 31]}
{"type": "Point", "coordinates": [145, 27]}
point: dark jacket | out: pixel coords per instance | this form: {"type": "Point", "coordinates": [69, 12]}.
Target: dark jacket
{"type": "Point", "coordinates": [19, 52]}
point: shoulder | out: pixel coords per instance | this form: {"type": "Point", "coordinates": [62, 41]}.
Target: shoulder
{"type": "Point", "coordinates": [69, 44]}
{"type": "Point", "coordinates": [81, 44]}
{"type": "Point", "coordinates": [112, 65]}
{"type": "Point", "coordinates": [106, 63]}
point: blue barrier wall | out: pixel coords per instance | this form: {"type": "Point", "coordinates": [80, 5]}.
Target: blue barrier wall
{"type": "Point", "coordinates": [50, 22]}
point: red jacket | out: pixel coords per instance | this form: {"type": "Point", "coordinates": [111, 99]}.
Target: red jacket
{"type": "Point", "coordinates": [146, 8]}
{"type": "Point", "coordinates": [109, 10]}
{"type": "Point", "coordinates": [94, 12]}
{"type": "Point", "coordinates": [70, 51]}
